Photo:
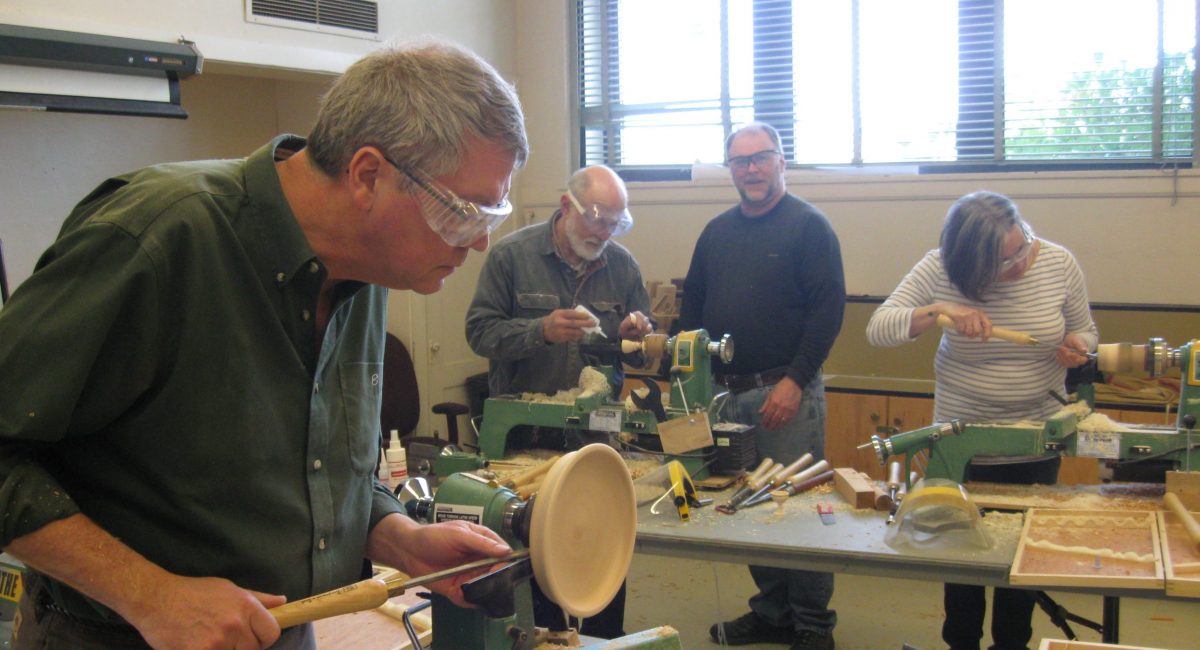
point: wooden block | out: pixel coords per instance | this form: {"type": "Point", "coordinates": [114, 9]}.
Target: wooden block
{"type": "Point", "coordinates": [1186, 486]}
{"type": "Point", "coordinates": [854, 488]}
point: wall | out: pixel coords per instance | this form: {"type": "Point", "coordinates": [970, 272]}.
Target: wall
{"type": "Point", "coordinates": [258, 81]}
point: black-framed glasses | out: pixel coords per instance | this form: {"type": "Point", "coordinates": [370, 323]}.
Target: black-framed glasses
{"type": "Point", "coordinates": [760, 160]}
{"type": "Point", "coordinates": [613, 223]}
{"type": "Point", "coordinates": [457, 221]}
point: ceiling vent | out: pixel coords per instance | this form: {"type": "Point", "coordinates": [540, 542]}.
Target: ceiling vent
{"type": "Point", "coordinates": [53, 70]}
{"type": "Point", "coordinates": [357, 18]}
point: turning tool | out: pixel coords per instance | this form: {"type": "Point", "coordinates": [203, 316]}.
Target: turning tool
{"type": "Point", "coordinates": [373, 592]}
{"type": "Point", "coordinates": [1005, 334]}
{"type": "Point", "coordinates": [803, 481]}
{"type": "Point", "coordinates": [753, 483]}
{"type": "Point", "coordinates": [778, 476]}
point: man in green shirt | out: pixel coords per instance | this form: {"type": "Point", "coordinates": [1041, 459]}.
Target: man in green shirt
{"type": "Point", "coordinates": [190, 379]}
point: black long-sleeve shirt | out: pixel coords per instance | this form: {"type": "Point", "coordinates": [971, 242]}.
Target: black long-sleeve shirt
{"type": "Point", "coordinates": [774, 282]}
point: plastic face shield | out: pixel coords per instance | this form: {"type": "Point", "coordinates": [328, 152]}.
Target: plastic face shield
{"type": "Point", "coordinates": [937, 514]}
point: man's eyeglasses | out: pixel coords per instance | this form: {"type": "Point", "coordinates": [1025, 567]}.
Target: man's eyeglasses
{"type": "Point", "coordinates": [457, 221]}
{"type": "Point", "coordinates": [760, 160]}
{"type": "Point", "coordinates": [613, 223]}
{"type": "Point", "coordinates": [1021, 254]}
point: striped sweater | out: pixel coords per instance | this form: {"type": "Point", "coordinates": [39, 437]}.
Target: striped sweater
{"type": "Point", "coordinates": [994, 380]}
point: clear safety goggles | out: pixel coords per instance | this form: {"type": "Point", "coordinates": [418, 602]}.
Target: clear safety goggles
{"type": "Point", "coordinates": [1022, 253]}
{"type": "Point", "coordinates": [600, 221]}
{"type": "Point", "coordinates": [457, 221]}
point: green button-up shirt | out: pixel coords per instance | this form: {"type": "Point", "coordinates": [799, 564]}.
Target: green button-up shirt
{"type": "Point", "coordinates": [160, 372]}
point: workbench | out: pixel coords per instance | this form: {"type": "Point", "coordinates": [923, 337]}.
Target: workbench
{"type": "Point", "coordinates": [794, 538]}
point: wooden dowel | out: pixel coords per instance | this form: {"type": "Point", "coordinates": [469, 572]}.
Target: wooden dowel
{"type": "Point", "coordinates": [1002, 333]}
{"type": "Point", "coordinates": [1185, 517]}
{"type": "Point", "coordinates": [530, 475]}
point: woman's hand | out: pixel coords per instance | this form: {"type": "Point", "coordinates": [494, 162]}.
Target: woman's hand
{"type": "Point", "coordinates": [1072, 352]}
{"type": "Point", "coordinates": [968, 321]}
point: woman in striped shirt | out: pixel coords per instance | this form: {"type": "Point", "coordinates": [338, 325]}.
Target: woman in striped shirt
{"type": "Point", "coordinates": [989, 270]}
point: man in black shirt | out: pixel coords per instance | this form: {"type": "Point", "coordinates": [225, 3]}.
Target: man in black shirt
{"type": "Point", "coordinates": [769, 272]}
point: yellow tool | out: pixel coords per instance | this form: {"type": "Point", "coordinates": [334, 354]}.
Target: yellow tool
{"type": "Point", "coordinates": [685, 490]}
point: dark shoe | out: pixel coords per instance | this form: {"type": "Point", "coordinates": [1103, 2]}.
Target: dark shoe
{"type": "Point", "coordinates": [751, 628]}
{"type": "Point", "coordinates": [812, 640]}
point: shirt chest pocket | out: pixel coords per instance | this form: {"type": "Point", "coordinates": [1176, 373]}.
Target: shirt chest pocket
{"type": "Point", "coordinates": [362, 392]}
{"type": "Point", "coordinates": [609, 313]}
{"type": "Point", "coordinates": [537, 304]}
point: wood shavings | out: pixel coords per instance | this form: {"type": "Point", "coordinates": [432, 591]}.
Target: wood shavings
{"type": "Point", "coordinates": [1089, 521]}
{"type": "Point", "coordinates": [1129, 556]}
{"type": "Point", "coordinates": [1101, 423]}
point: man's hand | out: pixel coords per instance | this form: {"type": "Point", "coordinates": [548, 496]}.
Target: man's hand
{"type": "Point", "coordinates": [204, 613]}
{"type": "Point", "coordinates": [564, 325]}
{"type": "Point", "coordinates": [420, 549]}
{"type": "Point", "coordinates": [782, 404]}
{"type": "Point", "coordinates": [635, 327]}
{"type": "Point", "coordinates": [1072, 352]}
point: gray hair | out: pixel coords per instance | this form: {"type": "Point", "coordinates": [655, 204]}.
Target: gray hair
{"type": "Point", "coordinates": [581, 181]}
{"type": "Point", "coordinates": [754, 126]}
{"type": "Point", "coordinates": [973, 237]}
{"type": "Point", "coordinates": [419, 104]}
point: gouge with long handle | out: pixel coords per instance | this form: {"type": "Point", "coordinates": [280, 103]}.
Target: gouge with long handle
{"type": "Point", "coordinates": [805, 479]}
{"type": "Point", "coordinates": [780, 476]}
{"type": "Point", "coordinates": [371, 593]}
{"type": "Point", "coordinates": [1005, 334]}
{"type": "Point", "coordinates": [753, 484]}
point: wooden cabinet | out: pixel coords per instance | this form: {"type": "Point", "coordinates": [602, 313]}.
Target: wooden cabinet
{"type": "Point", "coordinates": [852, 418]}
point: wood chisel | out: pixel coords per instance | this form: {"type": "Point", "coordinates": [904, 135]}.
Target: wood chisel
{"type": "Point", "coordinates": [371, 593]}
{"type": "Point", "coordinates": [801, 481]}
{"type": "Point", "coordinates": [1005, 334]}
{"type": "Point", "coordinates": [753, 483]}
{"type": "Point", "coordinates": [778, 477]}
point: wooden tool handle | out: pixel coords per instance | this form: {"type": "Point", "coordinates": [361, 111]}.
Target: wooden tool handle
{"type": "Point", "coordinates": [789, 471]}
{"type": "Point", "coordinates": [809, 472]}
{"type": "Point", "coordinates": [757, 482]}
{"type": "Point", "coordinates": [529, 489]}
{"type": "Point", "coordinates": [1004, 334]}
{"type": "Point", "coordinates": [813, 481]}
{"type": "Point", "coordinates": [368, 594]}
{"type": "Point", "coordinates": [1185, 517]}
{"type": "Point", "coordinates": [528, 476]}
{"type": "Point", "coordinates": [763, 467]}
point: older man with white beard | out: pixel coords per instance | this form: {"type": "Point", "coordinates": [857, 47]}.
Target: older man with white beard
{"type": "Point", "coordinates": [524, 317]}
{"type": "Point", "coordinates": [524, 320]}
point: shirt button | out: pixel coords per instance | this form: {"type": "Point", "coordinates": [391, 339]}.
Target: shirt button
{"type": "Point", "coordinates": [321, 543]}
{"type": "Point", "coordinates": [317, 387]}
{"type": "Point", "coordinates": [280, 277]}
{"type": "Point", "coordinates": [306, 314]}
{"type": "Point", "coordinates": [313, 267]}
{"type": "Point", "coordinates": [317, 464]}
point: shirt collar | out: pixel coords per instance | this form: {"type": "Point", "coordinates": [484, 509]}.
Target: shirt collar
{"type": "Point", "coordinates": [285, 249]}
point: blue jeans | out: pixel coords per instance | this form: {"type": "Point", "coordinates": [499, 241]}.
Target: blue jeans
{"type": "Point", "coordinates": [788, 597]}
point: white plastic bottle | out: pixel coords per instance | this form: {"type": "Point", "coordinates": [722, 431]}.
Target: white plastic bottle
{"type": "Point", "coordinates": [397, 461]}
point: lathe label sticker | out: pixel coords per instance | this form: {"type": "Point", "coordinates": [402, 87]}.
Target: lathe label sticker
{"type": "Point", "coordinates": [608, 420]}
{"type": "Point", "coordinates": [1097, 444]}
{"type": "Point", "coordinates": [451, 512]}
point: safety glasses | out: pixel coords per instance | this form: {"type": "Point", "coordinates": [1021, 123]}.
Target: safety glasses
{"type": "Point", "coordinates": [457, 221]}
{"type": "Point", "coordinates": [600, 222]}
{"type": "Point", "coordinates": [1021, 254]}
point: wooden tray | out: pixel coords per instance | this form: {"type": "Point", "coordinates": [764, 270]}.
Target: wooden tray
{"type": "Point", "coordinates": [1056, 644]}
{"type": "Point", "coordinates": [1091, 548]}
{"type": "Point", "coordinates": [1181, 558]}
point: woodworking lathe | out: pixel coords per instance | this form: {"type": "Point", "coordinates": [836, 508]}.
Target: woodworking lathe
{"type": "Point", "coordinates": [1076, 430]}
{"type": "Point", "coordinates": [691, 395]}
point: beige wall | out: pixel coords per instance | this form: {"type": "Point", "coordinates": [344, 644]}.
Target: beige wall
{"type": "Point", "coordinates": [1135, 233]}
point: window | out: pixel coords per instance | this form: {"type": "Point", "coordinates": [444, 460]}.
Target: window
{"type": "Point", "coordinates": [967, 84]}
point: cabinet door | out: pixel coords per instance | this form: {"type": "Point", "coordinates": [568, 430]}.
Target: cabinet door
{"type": "Point", "coordinates": [1159, 418]}
{"type": "Point", "coordinates": [851, 420]}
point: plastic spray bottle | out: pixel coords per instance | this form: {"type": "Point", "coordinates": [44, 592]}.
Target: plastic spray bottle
{"type": "Point", "coordinates": [397, 461]}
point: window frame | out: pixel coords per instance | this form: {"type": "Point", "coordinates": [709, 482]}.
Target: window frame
{"type": "Point", "coordinates": [995, 143]}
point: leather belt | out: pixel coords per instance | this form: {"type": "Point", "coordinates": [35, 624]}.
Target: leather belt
{"type": "Point", "coordinates": [743, 383]}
